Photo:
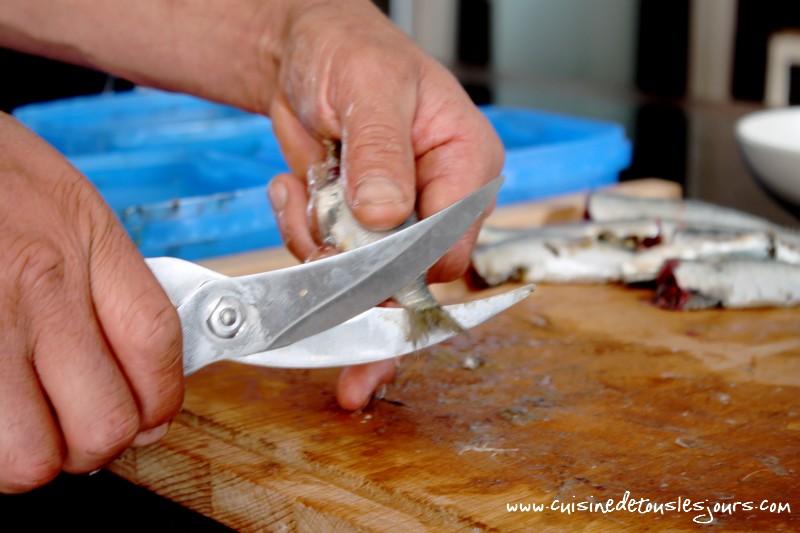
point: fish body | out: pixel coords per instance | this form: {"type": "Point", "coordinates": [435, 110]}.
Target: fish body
{"type": "Point", "coordinates": [339, 228]}
{"type": "Point", "coordinates": [737, 283]}
{"type": "Point", "coordinates": [628, 250]}
{"type": "Point", "coordinates": [698, 244]}
{"type": "Point", "coordinates": [630, 232]}
{"type": "Point", "coordinates": [537, 260]}
{"type": "Point", "coordinates": [603, 206]}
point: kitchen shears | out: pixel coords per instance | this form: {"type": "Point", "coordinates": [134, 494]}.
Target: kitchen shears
{"type": "Point", "coordinates": [322, 313]}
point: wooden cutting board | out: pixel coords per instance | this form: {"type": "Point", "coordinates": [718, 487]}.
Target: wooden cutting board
{"type": "Point", "coordinates": [585, 394]}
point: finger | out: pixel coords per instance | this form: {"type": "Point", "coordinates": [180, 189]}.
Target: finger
{"type": "Point", "coordinates": [299, 147]}
{"type": "Point", "coordinates": [140, 323]}
{"type": "Point", "coordinates": [438, 195]}
{"type": "Point", "coordinates": [377, 152]}
{"type": "Point", "coordinates": [450, 168]}
{"type": "Point", "coordinates": [31, 442]}
{"type": "Point", "coordinates": [288, 195]}
{"type": "Point", "coordinates": [96, 413]}
{"type": "Point", "coordinates": [357, 384]}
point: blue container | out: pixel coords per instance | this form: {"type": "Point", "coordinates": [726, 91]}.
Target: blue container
{"type": "Point", "coordinates": [549, 154]}
{"type": "Point", "coordinates": [188, 205]}
{"type": "Point", "coordinates": [188, 177]}
{"type": "Point", "coordinates": [143, 119]}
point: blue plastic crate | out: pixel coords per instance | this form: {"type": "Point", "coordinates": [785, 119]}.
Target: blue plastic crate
{"type": "Point", "coordinates": [549, 154]}
{"type": "Point", "coordinates": [144, 119]}
{"type": "Point", "coordinates": [188, 205]}
{"type": "Point", "coordinates": [188, 177]}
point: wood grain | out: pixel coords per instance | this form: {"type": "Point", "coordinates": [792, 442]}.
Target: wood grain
{"type": "Point", "coordinates": [585, 393]}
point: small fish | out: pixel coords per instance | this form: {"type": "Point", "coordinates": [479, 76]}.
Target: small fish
{"type": "Point", "coordinates": [604, 206]}
{"type": "Point", "coordinates": [627, 250]}
{"type": "Point", "coordinates": [550, 260]}
{"type": "Point", "coordinates": [737, 283]}
{"type": "Point", "coordinates": [338, 227]}
{"type": "Point", "coordinates": [698, 244]}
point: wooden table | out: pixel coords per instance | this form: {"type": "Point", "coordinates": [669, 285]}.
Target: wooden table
{"type": "Point", "coordinates": [586, 394]}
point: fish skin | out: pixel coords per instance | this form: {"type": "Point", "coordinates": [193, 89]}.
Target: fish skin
{"type": "Point", "coordinates": [338, 227]}
{"type": "Point", "coordinates": [739, 283]}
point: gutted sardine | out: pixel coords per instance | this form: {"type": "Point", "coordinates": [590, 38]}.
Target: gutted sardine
{"type": "Point", "coordinates": [739, 283]}
{"type": "Point", "coordinates": [699, 254]}
{"type": "Point", "coordinates": [604, 206]}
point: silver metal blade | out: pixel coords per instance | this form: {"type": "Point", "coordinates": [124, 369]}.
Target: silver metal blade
{"type": "Point", "coordinates": [180, 278]}
{"type": "Point", "coordinates": [277, 308]}
{"type": "Point", "coordinates": [377, 334]}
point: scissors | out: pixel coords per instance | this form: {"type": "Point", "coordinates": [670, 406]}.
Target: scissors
{"type": "Point", "coordinates": [322, 313]}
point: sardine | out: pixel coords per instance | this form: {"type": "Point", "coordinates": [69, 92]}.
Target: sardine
{"type": "Point", "coordinates": [550, 260]}
{"type": "Point", "coordinates": [742, 283]}
{"type": "Point", "coordinates": [698, 244]}
{"type": "Point", "coordinates": [631, 251]}
{"type": "Point", "coordinates": [604, 206]}
{"type": "Point", "coordinates": [640, 232]}
{"type": "Point", "coordinates": [338, 228]}
{"type": "Point", "coordinates": [700, 255]}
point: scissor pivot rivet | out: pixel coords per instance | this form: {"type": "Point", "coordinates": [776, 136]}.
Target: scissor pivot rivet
{"type": "Point", "coordinates": [226, 319]}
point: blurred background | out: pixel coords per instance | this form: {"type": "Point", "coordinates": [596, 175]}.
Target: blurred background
{"type": "Point", "coordinates": [675, 73]}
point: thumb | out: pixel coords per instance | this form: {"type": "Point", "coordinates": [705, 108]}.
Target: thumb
{"type": "Point", "coordinates": [378, 163]}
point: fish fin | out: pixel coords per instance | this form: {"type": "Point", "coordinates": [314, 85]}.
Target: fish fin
{"type": "Point", "coordinates": [428, 319]}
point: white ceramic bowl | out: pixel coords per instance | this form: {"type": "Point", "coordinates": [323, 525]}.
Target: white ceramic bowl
{"type": "Point", "coordinates": [770, 141]}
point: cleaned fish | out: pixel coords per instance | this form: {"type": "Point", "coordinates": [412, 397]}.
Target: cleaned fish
{"type": "Point", "coordinates": [549, 260]}
{"type": "Point", "coordinates": [338, 227]}
{"type": "Point", "coordinates": [738, 283]}
{"type": "Point", "coordinates": [631, 251]}
{"type": "Point", "coordinates": [698, 254]}
{"type": "Point", "coordinates": [697, 244]}
{"type": "Point", "coordinates": [604, 205]}
{"type": "Point", "coordinates": [631, 232]}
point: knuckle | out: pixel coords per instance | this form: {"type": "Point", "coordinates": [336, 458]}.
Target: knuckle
{"type": "Point", "coordinates": [36, 468]}
{"type": "Point", "coordinates": [376, 136]}
{"type": "Point", "coordinates": [38, 265]}
{"type": "Point", "coordinates": [155, 332]}
{"type": "Point", "coordinates": [108, 437]}
{"type": "Point", "coordinates": [378, 149]}
{"type": "Point", "coordinates": [155, 335]}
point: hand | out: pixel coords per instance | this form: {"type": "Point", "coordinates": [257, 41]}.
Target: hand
{"type": "Point", "coordinates": [410, 134]}
{"type": "Point", "coordinates": [321, 70]}
{"type": "Point", "coordinates": [90, 357]}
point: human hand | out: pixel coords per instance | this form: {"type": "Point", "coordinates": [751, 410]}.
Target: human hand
{"type": "Point", "coordinates": [90, 346]}
{"type": "Point", "coordinates": [410, 135]}
{"type": "Point", "coordinates": [322, 70]}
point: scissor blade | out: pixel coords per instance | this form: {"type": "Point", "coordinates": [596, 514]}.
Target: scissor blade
{"type": "Point", "coordinates": [306, 299]}
{"type": "Point", "coordinates": [377, 334]}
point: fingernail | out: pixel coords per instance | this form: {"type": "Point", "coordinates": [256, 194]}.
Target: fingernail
{"type": "Point", "coordinates": [149, 436]}
{"type": "Point", "coordinates": [376, 191]}
{"type": "Point", "coordinates": [278, 195]}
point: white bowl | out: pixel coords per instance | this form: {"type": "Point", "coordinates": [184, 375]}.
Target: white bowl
{"type": "Point", "coordinates": [770, 141]}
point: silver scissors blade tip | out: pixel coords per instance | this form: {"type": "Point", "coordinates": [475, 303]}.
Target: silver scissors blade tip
{"type": "Point", "coordinates": [377, 334]}
{"type": "Point", "coordinates": [316, 296]}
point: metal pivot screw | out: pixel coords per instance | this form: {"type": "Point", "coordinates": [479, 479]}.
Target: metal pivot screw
{"type": "Point", "coordinates": [227, 318]}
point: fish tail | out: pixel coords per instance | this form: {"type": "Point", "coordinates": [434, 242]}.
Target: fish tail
{"type": "Point", "coordinates": [426, 320]}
